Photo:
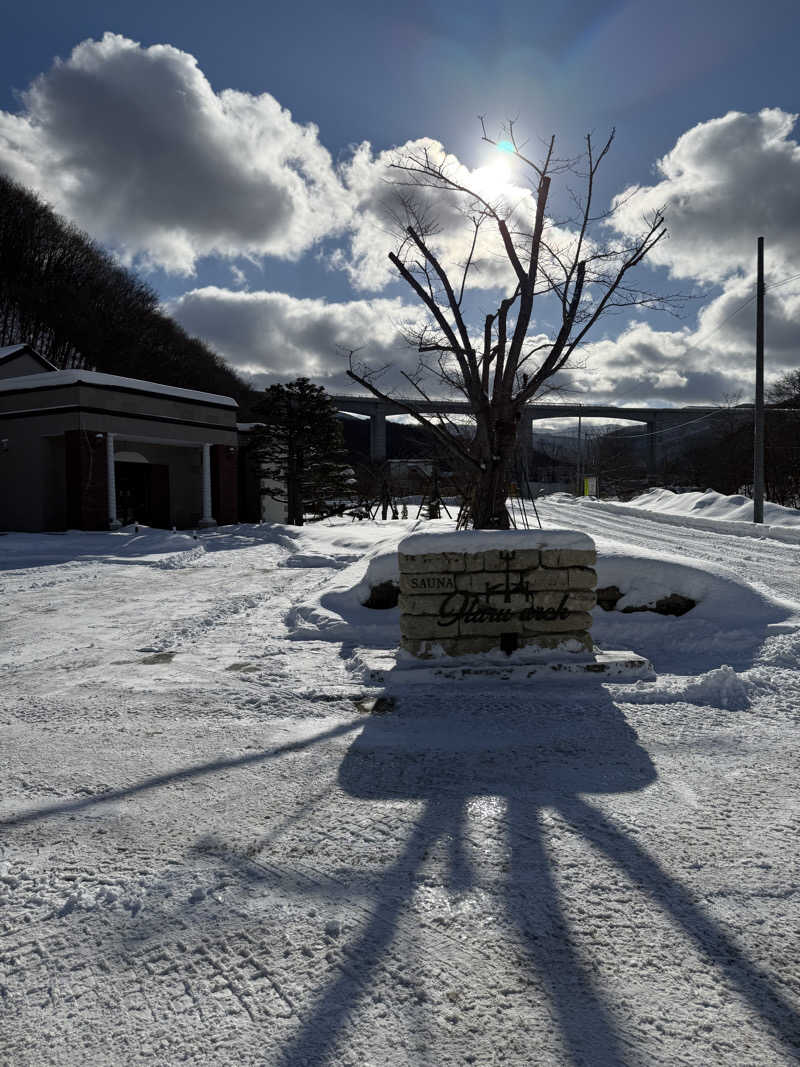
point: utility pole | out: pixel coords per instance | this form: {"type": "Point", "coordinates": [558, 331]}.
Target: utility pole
{"type": "Point", "coordinates": [758, 436]}
{"type": "Point", "coordinates": [580, 454]}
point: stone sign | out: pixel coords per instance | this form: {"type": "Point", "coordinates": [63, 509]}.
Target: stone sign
{"type": "Point", "coordinates": [480, 590]}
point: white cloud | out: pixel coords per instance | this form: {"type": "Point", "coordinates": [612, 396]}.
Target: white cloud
{"type": "Point", "coordinates": [376, 188]}
{"type": "Point", "coordinates": [725, 183]}
{"type": "Point", "coordinates": [135, 145]}
{"type": "Point", "coordinates": [710, 364]}
{"type": "Point", "coordinates": [277, 337]}
{"type": "Point", "coordinates": [376, 229]}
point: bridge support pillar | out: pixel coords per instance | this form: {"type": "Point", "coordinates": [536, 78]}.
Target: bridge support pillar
{"type": "Point", "coordinates": [525, 441]}
{"type": "Point", "coordinates": [652, 451]}
{"type": "Point", "coordinates": [377, 437]}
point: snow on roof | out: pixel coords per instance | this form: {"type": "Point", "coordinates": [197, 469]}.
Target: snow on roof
{"type": "Point", "coordinates": [90, 377]}
{"type": "Point", "coordinates": [487, 540]}
{"type": "Point", "coordinates": [10, 350]}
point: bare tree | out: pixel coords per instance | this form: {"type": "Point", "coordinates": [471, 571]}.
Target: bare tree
{"type": "Point", "coordinates": [498, 364]}
{"type": "Point", "coordinates": [786, 390]}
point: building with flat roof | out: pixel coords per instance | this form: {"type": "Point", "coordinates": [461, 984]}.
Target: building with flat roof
{"type": "Point", "coordinates": [91, 451]}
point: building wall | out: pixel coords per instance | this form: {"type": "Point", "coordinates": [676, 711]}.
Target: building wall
{"type": "Point", "coordinates": [16, 365]}
{"type": "Point", "coordinates": [27, 458]}
{"type": "Point", "coordinates": [164, 415]}
{"type": "Point", "coordinates": [249, 504]}
{"type": "Point", "coordinates": [54, 496]}
{"type": "Point", "coordinates": [100, 409]}
{"type": "Point", "coordinates": [51, 450]}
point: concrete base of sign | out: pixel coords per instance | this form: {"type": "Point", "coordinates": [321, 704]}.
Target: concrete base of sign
{"type": "Point", "coordinates": [383, 669]}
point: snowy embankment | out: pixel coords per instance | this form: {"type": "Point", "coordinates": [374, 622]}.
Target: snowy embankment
{"type": "Point", "coordinates": [730, 618]}
{"type": "Point", "coordinates": [704, 511]}
{"type": "Point", "coordinates": [210, 854]}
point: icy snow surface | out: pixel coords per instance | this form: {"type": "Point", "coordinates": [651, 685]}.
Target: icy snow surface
{"type": "Point", "coordinates": [210, 854]}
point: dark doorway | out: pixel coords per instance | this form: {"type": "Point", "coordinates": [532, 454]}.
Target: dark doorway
{"type": "Point", "coordinates": [143, 493]}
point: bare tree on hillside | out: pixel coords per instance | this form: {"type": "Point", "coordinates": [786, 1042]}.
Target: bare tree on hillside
{"type": "Point", "coordinates": [496, 361]}
{"type": "Point", "coordinates": [786, 390]}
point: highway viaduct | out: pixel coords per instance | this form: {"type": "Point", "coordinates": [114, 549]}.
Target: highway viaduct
{"type": "Point", "coordinates": [656, 420]}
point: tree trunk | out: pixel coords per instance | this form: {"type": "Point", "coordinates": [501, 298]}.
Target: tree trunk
{"type": "Point", "coordinates": [294, 488]}
{"type": "Point", "coordinates": [496, 442]}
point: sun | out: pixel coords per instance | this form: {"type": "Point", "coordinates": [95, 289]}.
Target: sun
{"type": "Point", "coordinates": [495, 177]}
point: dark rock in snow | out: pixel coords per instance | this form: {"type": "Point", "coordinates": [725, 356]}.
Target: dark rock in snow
{"type": "Point", "coordinates": [607, 598]}
{"type": "Point", "coordinates": [383, 596]}
{"type": "Point", "coordinates": [674, 604]}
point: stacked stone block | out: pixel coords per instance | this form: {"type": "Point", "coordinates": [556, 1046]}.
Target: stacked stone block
{"type": "Point", "coordinates": [478, 601]}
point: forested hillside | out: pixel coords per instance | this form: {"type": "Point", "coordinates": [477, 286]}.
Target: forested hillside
{"type": "Point", "coordinates": [66, 296]}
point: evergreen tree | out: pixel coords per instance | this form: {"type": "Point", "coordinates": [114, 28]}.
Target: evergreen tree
{"type": "Point", "coordinates": [300, 450]}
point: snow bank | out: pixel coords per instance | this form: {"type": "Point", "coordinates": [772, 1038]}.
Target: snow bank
{"type": "Point", "coordinates": [161, 548]}
{"type": "Point", "coordinates": [487, 540]}
{"type": "Point", "coordinates": [643, 578]}
{"type": "Point", "coordinates": [721, 687]}
{"type": "Point", "coordinates": [730, 621]}
{"type": "Point", "coordinates": [337, 612]}
{"type": "Point", "coordinates": [713, 505]}
{"type": "Point", "coordinates": [707, 511]}
{"type": "Point", "coordinates": [728, 625]}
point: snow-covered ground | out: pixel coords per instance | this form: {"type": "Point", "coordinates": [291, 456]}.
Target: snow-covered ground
{"type": "Point", "coordinates": [212, 854]}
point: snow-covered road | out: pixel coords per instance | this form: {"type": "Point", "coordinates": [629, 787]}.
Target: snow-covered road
{"type": "Point", "coordinates": [211, 855]}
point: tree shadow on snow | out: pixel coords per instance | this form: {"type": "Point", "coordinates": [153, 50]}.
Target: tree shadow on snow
{"type": "Point", "coordinates": [158, 781]}
{"type": "Point", "coordinates": [543, 757]}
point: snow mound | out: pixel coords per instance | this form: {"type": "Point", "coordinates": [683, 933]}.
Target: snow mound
{"type": "Point", "coordinates": [720, 595]}
{"type": "Point", "coordinates": [178, 560]}
{"type": "Point", "coordinates": [337, 612]}
{"type": "Point", "coordinates": [165, 549]}
{"type": "Point", "coordinates": [304, 559]}
{"type": "Point", "coordinates": [560, 498]}
{"type": "Point", "coordinates": [730, 622]}
{"type": "Point", "coordinates": [721, 687]}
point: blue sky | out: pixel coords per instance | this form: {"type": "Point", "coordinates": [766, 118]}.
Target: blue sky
{"type": "Point", "coordinates": [215, 148]}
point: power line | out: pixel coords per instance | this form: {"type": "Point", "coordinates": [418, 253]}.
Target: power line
{"type": "Point", "coordinates": [680, 425]}
{"type": "Point", "coordinates": [704, 337]}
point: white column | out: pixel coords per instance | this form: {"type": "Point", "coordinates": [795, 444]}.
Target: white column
{"type": "Point", "coordinates": [113, 521]}
{"type": "Point", "coordinates": [207, 518]}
